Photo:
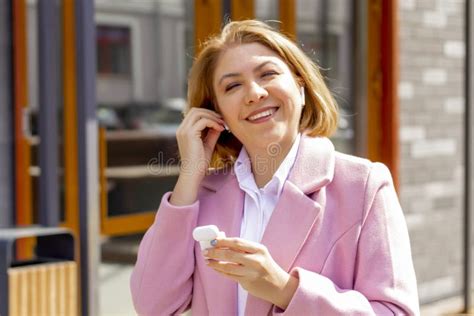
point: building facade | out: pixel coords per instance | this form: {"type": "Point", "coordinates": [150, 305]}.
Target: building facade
{"type": "Point", "coordinates": [431, 96]}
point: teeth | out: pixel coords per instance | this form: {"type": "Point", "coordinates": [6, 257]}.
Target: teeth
{"type": "Point", "coordinates": [261, 114]}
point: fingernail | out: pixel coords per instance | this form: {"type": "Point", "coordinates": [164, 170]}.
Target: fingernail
{"type": "Point", "coordinates": [213, 242]}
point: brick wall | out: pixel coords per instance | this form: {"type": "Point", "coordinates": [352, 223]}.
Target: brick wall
{"type": "Point", "coordinates": [431, 118]}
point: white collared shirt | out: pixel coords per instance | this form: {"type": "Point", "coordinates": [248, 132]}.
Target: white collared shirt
{"type": "Point", "coordinates": [259, 203]}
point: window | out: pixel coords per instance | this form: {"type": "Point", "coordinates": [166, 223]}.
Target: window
{"type": "Point", "coordinates": [325, 32]}
{"type": "Point", "coordinates": [113, 50]}
{"type": "Point", "coordinates": [144, 52]}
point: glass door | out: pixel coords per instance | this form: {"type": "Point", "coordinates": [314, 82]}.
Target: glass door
{"type": "Point", "coordinates": [143, 56]}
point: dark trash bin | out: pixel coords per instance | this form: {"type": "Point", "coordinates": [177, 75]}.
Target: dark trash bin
{"type": "Point", "coordinates": [45, 285]}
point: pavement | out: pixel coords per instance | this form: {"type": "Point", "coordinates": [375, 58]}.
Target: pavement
{"type": "Point", "coordinates": [114, 290]}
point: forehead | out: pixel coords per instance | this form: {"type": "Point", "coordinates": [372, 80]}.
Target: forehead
{"type": "Point", "coordinates": [244, 57]}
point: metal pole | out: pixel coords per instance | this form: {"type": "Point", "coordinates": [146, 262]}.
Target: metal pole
{"type": "Point", "coordinates": [87, 155]}
{"type": "Point", "coordinates": [226, 11]}
{"type": "Point", "coordinates": [6, 117]}
{"type": "Point", "coordinates": [324, 33]}
{"type": "Point", "coordinates": [48, 78]}
{"type": "Point", "coordinates": [469, 121]}
{"type": "Point", "coordinates": [360, 77]}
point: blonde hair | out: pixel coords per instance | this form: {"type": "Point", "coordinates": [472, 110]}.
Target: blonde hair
{"type": "Point", "coordinates": [320, 114]}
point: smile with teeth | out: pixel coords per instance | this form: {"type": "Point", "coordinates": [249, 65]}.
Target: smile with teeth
{"type": "Point", "coordinates": [262, 114]}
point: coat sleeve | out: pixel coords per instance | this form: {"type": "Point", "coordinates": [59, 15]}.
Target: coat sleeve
{"type": "Point", "coordinates": [162, 279]}
{"type": "Point", "coordinates": [384, 277]}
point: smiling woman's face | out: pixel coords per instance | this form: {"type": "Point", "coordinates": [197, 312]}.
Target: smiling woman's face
{"type": "Point", "coordinates": [258, 96]}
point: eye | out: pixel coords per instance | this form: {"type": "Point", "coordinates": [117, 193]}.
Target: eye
{"type": "Point", "coordinates": [269, 73]}
{"type": "Point", "coordinates": [231, 86]}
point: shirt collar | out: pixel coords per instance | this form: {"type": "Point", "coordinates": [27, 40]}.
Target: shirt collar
{"type": "Point", "coordinates": [313, 167]}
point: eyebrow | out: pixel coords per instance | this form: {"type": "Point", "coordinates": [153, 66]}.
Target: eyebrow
{"type": "Point", "coordinates": [235, 74]}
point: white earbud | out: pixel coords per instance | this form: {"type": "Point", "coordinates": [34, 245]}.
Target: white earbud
{"type": "Point", "coordinates": [302, 95]}
{"type": "Point", "coordinates": [226, 128]}
{"type": "Point", "coordinates": [205, 234]}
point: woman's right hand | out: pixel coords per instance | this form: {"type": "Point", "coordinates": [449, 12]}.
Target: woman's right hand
{"type": "Point", "coordinates": [195, 151]}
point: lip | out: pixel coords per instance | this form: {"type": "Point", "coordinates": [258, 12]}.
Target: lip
{"type": "Point", "coordinates": [265, 118]}
{"type": "Point", "coordinates": [261, 110]}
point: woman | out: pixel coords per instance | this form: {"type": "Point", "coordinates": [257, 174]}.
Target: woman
{"type": "Point", "coordinates": [312, 231]}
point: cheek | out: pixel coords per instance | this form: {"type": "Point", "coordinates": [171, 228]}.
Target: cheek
{"type": "Point", "coordinates": [288, 89]}
{"type": "Point", "coordinates": [227, 113]}
{"type": "Point", "coordinates": [228, 108]}
{"type": "Point", "coordinates": [295, 107]}
{"type": "Point", "coordinates": [293, 100]}
{"type": "Point", "coordinates": [221, 105]}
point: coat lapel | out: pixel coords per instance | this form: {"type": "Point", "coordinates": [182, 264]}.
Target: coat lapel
{"type": "Point", "coordinates": [290, 224]}
{"type": "Point", "coordinates": [297, 210]}
{"type": "Point", "coordinates": [228, 218]}
{"type": "Point", "coordinates": [228, 199]}
{"type": "Point", "coordinates": [294, 217]}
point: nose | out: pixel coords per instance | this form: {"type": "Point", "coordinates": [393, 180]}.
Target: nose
{"type": "Point", "coordinates": [255, 93]}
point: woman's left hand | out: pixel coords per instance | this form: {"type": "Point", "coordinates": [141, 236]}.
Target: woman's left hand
{"type": "Point", "coordinates": [251, 265]}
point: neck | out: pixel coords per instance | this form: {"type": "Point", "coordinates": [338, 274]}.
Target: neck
{"type": "Point", "coordinates": [266, 161]}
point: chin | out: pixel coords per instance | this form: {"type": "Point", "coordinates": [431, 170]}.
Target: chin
{"type": "Point", "coordinates": [267, 139]}
{"type": "Point", "coordinates": [270, 137]}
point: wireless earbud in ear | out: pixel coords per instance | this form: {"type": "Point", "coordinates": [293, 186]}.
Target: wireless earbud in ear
{"type": "Point", "coordinates": [302, 95]}
{"type": "Point", "coordinates": [226, 128]}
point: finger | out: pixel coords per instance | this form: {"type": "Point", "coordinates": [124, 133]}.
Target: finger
{"type": "Point", "coordinates": [195, 109]}
{"type": "Point", "coordinates": [194, 116]}
{"type": "Point", "coordinates": [190, 124]}
{"type": "Point", "coordinates": [228, 255]}
{"type": "Point", "coordinates": [211, 139]}
{"type": "Point", "coordinates": [230, 276]}
{"type": "Point", "coordinates": [228, 268]}
{"type": "Point", "coordinates": [203, 123]}
{"type": "Point", "coordinates": [197, 128]}
{"type": "Point", "coordinates": [195, 113]}
{"type": "Point", "coordinates": [240, 244]}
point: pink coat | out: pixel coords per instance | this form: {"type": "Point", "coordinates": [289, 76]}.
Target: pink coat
{"type": "Point", "coordinates": [338, 227]}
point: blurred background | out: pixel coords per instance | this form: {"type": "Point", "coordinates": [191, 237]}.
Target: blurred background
{"type": "Point", "coordinates": [91, 94]}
